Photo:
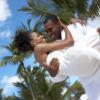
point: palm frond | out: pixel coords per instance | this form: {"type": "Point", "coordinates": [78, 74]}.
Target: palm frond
{"type": "Point", "coordinates": [36, 8]}
{"type": "Point", "coordinates": [94, 9]}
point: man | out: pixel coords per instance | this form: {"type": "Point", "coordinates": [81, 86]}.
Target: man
{"type": "Point", "coordinates": [57, 30]}
{"type": "Point", "coordinates": [89, 76]}
{"type": "Point", "coordinates": [54, 27]}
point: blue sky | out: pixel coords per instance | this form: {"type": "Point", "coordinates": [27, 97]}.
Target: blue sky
{"type": "Point", "coordinates": [10, 19]}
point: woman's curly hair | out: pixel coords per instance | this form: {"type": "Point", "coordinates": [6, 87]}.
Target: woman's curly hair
{"type": "Point", "coordinates": [22, 41]}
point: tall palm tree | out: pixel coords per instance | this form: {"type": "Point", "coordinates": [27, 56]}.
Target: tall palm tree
{"type": "Point", "coordinates": [41, 86]}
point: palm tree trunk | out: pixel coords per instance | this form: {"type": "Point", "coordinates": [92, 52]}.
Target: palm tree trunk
{"type": "Point", "coordinates": [33, 97]}
{"type": "Point", "coordinates": [29, 82]}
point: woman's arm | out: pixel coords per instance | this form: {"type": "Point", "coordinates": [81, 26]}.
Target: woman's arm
{"type": "Point", "coordinates": [41, 57]}
{"type": "Point", "coordinates": [48, 47]}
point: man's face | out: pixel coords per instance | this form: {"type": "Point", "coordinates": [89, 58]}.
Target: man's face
{"type": "Point", "coordinates": [53, 29]}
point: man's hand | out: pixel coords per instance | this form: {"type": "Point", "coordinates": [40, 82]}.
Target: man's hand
{"type": "Point", "coordinates": [53, 67]}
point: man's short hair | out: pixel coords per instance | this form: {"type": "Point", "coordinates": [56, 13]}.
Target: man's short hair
{"type": "Point", "coordinates": [52, 18]}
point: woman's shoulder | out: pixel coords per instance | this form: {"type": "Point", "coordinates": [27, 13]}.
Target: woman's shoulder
{"type": "Point", "coordinates": [40, 47]}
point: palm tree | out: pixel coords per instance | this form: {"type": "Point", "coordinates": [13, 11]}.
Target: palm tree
{"type": "Point", "coordinates": [65, 9]}
{"type": "Point", "coordinates": [40, 85]}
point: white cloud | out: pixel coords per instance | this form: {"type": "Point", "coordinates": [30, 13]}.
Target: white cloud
{"type": "Point", "coordinates": [5, 34]}
{"type": "Point", "coordinates": [4, 10]}
{"type": "Point", "coordinates": [10, 80]}
{"type": "Point", "coordinates": [84, 97]}
{"type": "Point", "coordinates": [8, 83]}
{"type": "Point", "coordinates": [95, 23]}
{"type": "Point", "coordinates": [64, 91]}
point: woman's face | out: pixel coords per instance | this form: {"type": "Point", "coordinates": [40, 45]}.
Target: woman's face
{"type": "Point", "coordinates": [37, 38]}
